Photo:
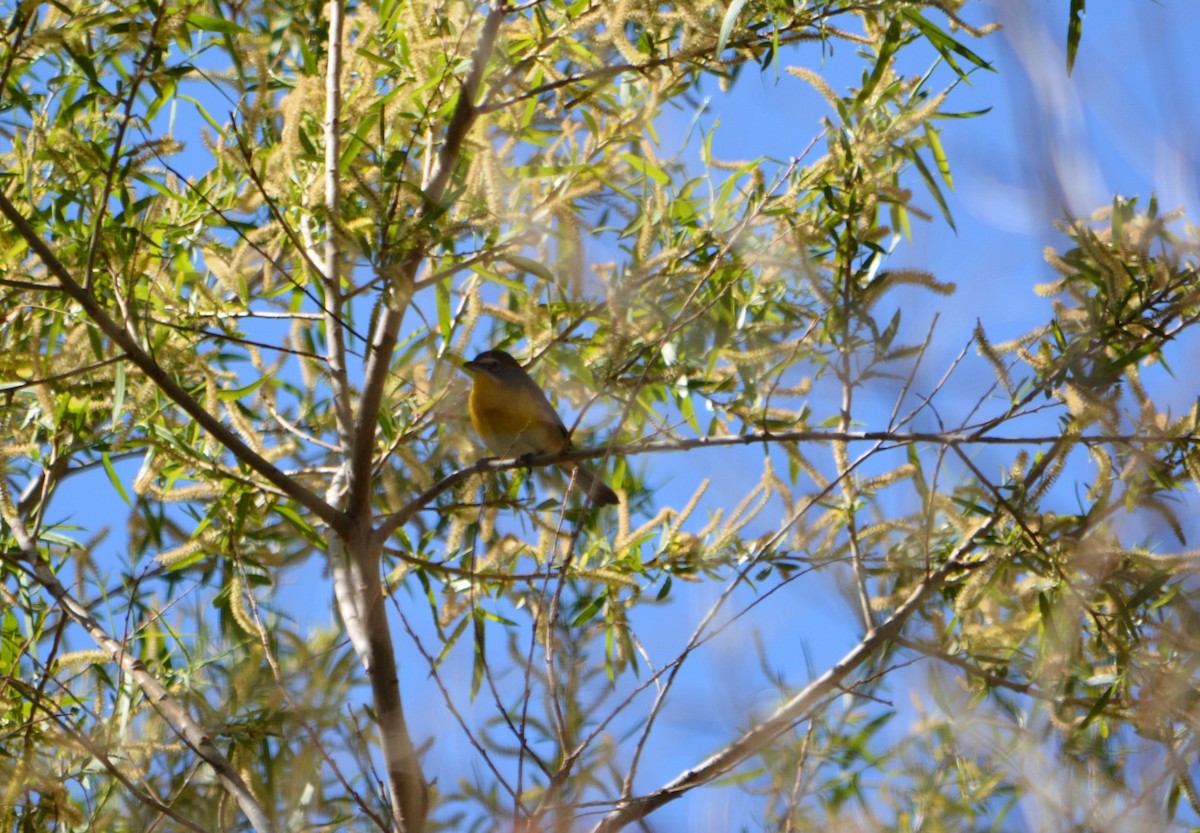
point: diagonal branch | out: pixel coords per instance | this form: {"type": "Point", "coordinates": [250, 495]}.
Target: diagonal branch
{"type": "Point", "coordinates": [465, 110]}
{"type": "Point", "coordinates": [800, 706]}
{"type": "Point", "coordinates": [163, 702]}
{"type": "Point", "coordinates": [38, 700]}
{"type": "Point", "coordinates": [796, 709]}
{"type": "Point", "coordinates": [161, 378]}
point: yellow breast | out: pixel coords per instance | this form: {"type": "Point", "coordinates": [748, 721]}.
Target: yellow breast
{"type": "Point", "coordinates": [511, 421]}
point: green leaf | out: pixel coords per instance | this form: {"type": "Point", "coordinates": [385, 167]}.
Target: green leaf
{"type": "Point", "coordinates": [112, 476]}
{"type": "Point", "coordinates": [479, 667]}
{"type": "Point", "coordinates": [1074, 31]}
{"type": "Point", "coordinates": [727, 22]}
{"type": "Point", "coordinates": [891, 42]}
{"type": "Point", "coordinates": [889, 333]}
{"type": "Point", "coordinates": [358, 139]}
{"type": "Point", "coordinates": [306, 530]}
{"type": "Point", "coordinates": [10, 633]}
{"type": "Point", "coordinates": [380, 60]}
{"type": "Point", "coordinates": [1098, 706]}
{"type": "Point", "coordinates": [646, 168]}
{"type": "Point", "coordinates": [234, 394]}
{"type": "Point", "coordinates": [220, 130]}
{"type": "Point", "coordinates": [934, 190]}
{"type": "Point", "coordinates": [939, 155]}
{"type": "Point", "coordinates": [445, 317]}
{"type": "Point", "coordinates": [1149, 590]}
{"type": "Point", "coordinates": [215, 24]}
{"type": "Point", "coordinates": [946, 46]}
{"type": "Point", "coordinates": [529, 265]}
{"type": "Point", "coordinates": [451, 640]}
{"type": "Point", "coordinates": [1118, 219]}
{"type": "Point", "coordinates": [589, 611]}
{"type": "Point", "coordinates": [965, 114]}
{"type": "Point", "coordinates": [495, 617]}
{"type": "Point", "coordinates": [1047, 617]}
{"type": "Point", "coordinates": [118, 392]}
{"type": "Point", "coordinates": [688, 410]}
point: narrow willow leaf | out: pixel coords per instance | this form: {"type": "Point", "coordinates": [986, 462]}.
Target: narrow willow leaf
{"type": "Point", "coordinates": [1074, 31]}
{"type": "Point", "coordinates": [118, 392]}
{"type": "Point", "coordinates": [215, 24]}
{"type": "Point", "coordinates": [112, 476]}
{"type": "Point", "coordinates": [727, 23]}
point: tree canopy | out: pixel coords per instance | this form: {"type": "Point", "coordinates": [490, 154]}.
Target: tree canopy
{"type": "Point", "coordinates": [250, 244]}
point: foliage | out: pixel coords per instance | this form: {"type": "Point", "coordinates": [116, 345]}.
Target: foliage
{"type": "Point", "coordinates": [248, 246]}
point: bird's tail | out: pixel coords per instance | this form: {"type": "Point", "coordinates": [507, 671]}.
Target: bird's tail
{"type": "Point", "coordinates": [588, 481]}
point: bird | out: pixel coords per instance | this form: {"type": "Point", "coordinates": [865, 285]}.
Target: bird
{"type": "Point", "coordinates": [513, 417]}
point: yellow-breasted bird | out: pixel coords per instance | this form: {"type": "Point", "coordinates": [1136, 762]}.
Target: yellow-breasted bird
{"type": "Point", "coordinates": [514, 418]}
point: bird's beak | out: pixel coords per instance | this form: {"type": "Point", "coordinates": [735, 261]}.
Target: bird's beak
{"type": "Point", "coordinates": [470, 367]}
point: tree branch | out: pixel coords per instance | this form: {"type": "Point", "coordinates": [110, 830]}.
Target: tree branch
{"type": "Point", "coordinates": [384, 340]}
{"type": "Point", "coordinates": [37, 700]}
{"type": "Point", "coordinates": [335, 340]}
{"type": "Point", "coordinates": [356, 577]}
{"type": "Point", "coordinates": [170, 709]}
{"type": "Point", "coordinates": [796, 709]}
{"type": "Point", "coordinates": [391, 523]}
{"type": "Point", "coordinates": [165, 382]}
{"type": "Point", "coordinates": [465, 111]}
